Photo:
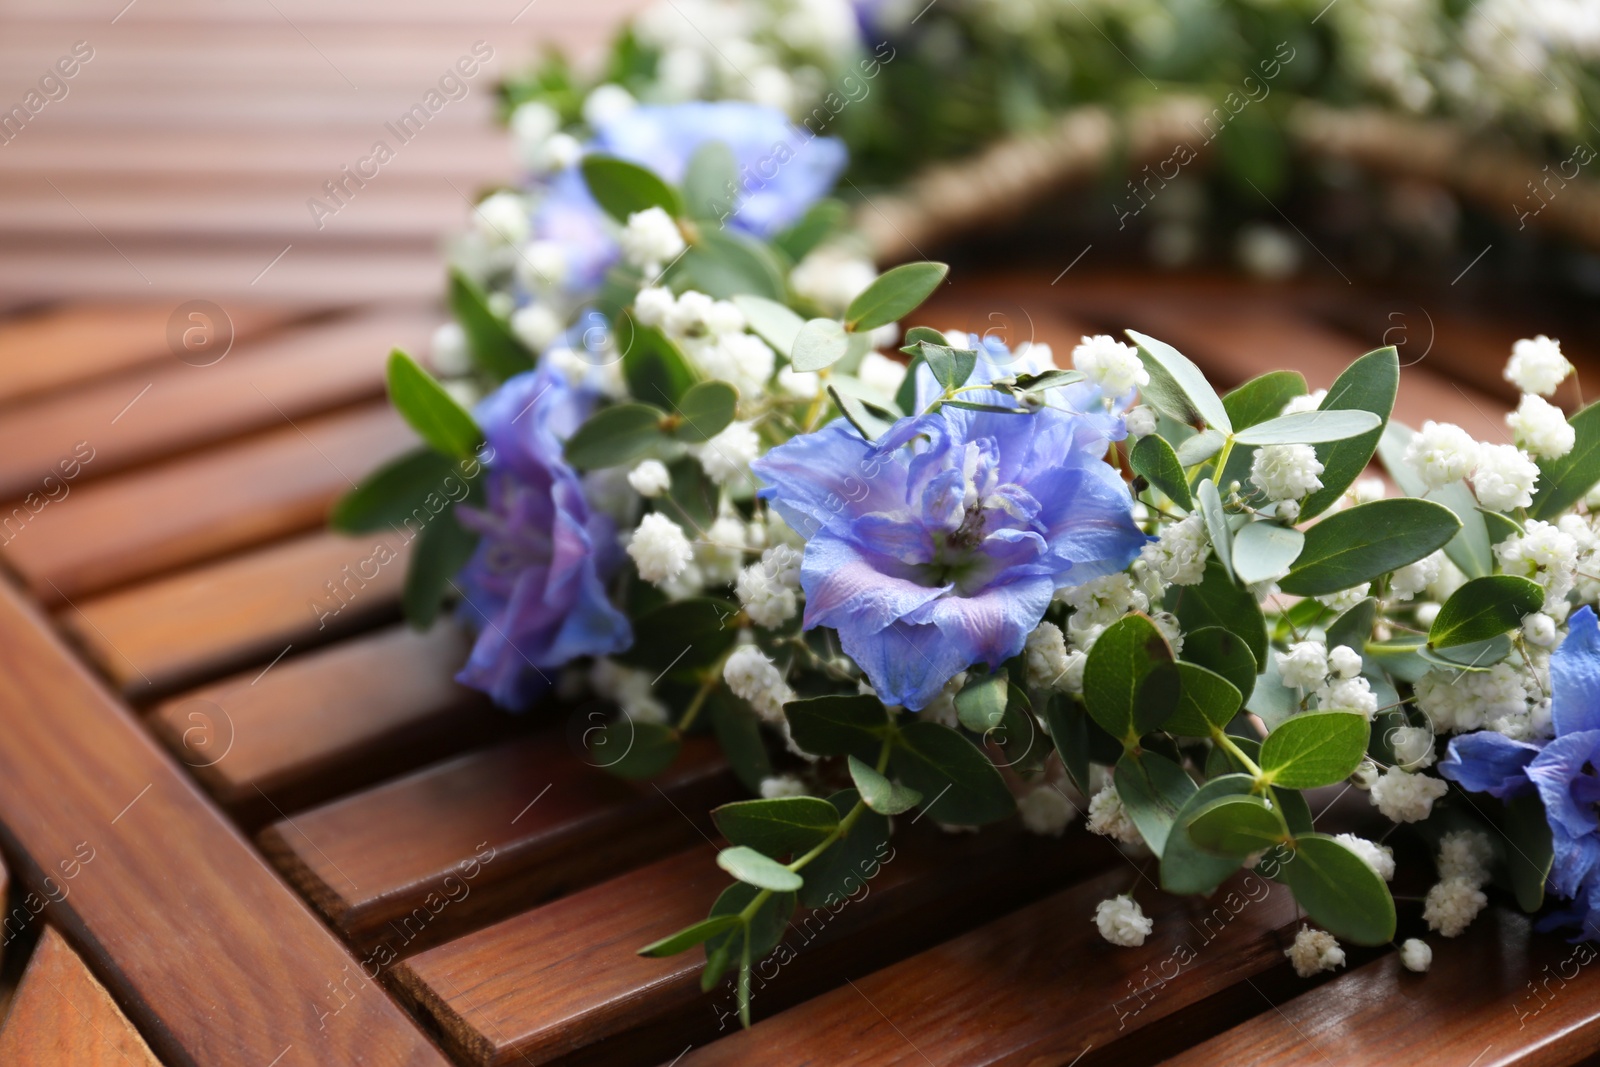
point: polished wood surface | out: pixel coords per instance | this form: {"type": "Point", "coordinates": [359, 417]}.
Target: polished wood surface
{"type": "Point", "coordinates": [62, 1017]}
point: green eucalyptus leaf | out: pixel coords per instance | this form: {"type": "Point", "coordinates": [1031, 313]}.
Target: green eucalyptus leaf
{"type": "Point", "coordinates": [820, 344]}
{"type": "Point", "coordinates": [819, 223]}
{"type": "Point", "coordinates": [1563, 482]}
{"type": "Point", "coordinates": [1484, 608]}
{"type": "Point", "coordinates": [1154, 460]}
{"type": "Point", "coordinates": [959, 784]}
{"type": "Point", "coordinates": [1220, 650]}
{"type": "Point", "coordinates": [878, 792]}
{"type": "Point", "coordinates": [437, 556]}
{"type": "Point", "coordinates": [1265, 549]}
{"type": "Point", "coordinates": [849, 863]}
{"type": "Point", "coordinates": [1339, 891]}
{"type": "Point", "coordinates": [869, 423]}
{"type": "Point", "coordinates": [393, 494]}
{"type": "Point", "coordinates": [1368, 384]}
{"type": "Point", "coordinates": [1185, 867]}
{"type": "Point", "coordinates": [763, 872]}
{"type": "Point", "coordinates": [1529, 852]}
{"type": "Point", "coordinates": [951, 367]}
{"type": "Point", "coordinates": [497, 351]}
{"type": "Point", "coordinates": [1263, 397]}
{"type": "Point", "coordinates": [1354, 627]}
{"type": "Point", "coordinates": [682, 636]}
{"type": "Point", "coordinates": [1470, 549]}
{"type": "Point", "coordinates": [1069, 733]}
{"type": "Point", "coordinates": [1153, 789]}
{"type": "Point", "coordinates": [837, 725]}
{"type": "Point", "coordinates": [1128, 677]}
{"type": "Point", "coordinates": [1205, 699]}
{"type": "Point", "coordinates": [444, 424]}
{"type": "Point", "coordinates": [1354, 546]}
{"type": "Point", "coordinates": [617, 435]}
{"type": "Point", "coordinates": [1310, 428]}
{"type": "Point", "coordinates": [711, 181]}
{"type": "Point", "coordinates": [622, 188]}
{"type": "Point", "coordinates": [1178, 388]}
{"type": "Point", "coordinates": [773, 322]}
{"type": "Point", "coordinates": [632, 749]}
{"type": "Point", "coordinates": [690, 936]}
{"type": "Point", "coordinates": [1270, 700]}
{"type": "Point", "coordinates": [705, 411]}
{"type": "Point", "coordinates": [656, 370]}
{"type": "Point", "coordinates": [1237, 826]}
{"type": "Point", "coordinates": [777, 827]}
{"type": "Point", "coordinates": [1315, 748]}
{"type": "Point", "coordinates": [1200, 447]}
{"type": "Point", "coordinates": [725, 263]}
{"type": "Point", "coordinates": [1219, 601]}
{"type": "Point", "coordinates": [981, 704]}
{"type": "Point", "coordinates": [739, 736]}
{"type": "Point", "coordinates": [894, 295]}
{"type": "Point", "coordinates": [765, 930]}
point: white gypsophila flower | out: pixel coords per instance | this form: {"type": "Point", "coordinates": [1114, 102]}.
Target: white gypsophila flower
{"type": "Point", "coordinates": [1304, 666]}
{"type": "Point", "coordinates": [881, 374]}
{"type": "Point", "coordinates": [1539, 629]}
{"type": "Point", "coordinates": [559, 151]}
{"type": "Point", "coordinates": [1109, 818]}
{"type": "Point", "coordinates": [1344, 661]}
{"type": "Point", "coordinates": [1413, 578]}
{"type": "Point", "coordinates": [1545, 553]}
{"type": "Point", "coordinates": [532, 122]}
{"type": "Point", "coordinates": [1046, 656]}
{"type": "Point", "coordinates": [1450, 579]}
{"type": "Point", "coordinates": [1286, 472]}
{"type": "Point", "coordinates": [1537, 365]}
{"type": "Point", "coordinates": [1102, 601]}
{"type": "Point", "coordinates": [1379, 857]}
{"type": "Point", "coordinates": [1141, 421]}
{"type": "Point", "coordinates": [541, 266]}
{"type": "Point", "coordinates": [650, 239]}
{"type": "Point", "coordinates": [1366, 490]}
{"type": "Point", "coordinates": [1541, 428]}
{"type": "Point", "coordinates": [743, 360]}
{"type": "Point", "coordinates": [1461, 701]}
{"type": "Point", "coordinates": [1451, 905]}
{"type": "Point", "coordinates": [782, 785]}
{"type": "Point", "coordinates": [720, 553]}
{"type": "Point", "coordinates": [804, 384]}
{"type": "Point", "coordinates": [1441, 453]}
{"type": "Point", "coordinates": [447, 351]}
{"type": "Point", "coordinates": [766, 588]}
{"type": "Point", "coordinates": [606, 103]}
{"type": "Point", "coordinates": [1179, 556]}
{"type": "Point", "coordinates": [537, 326]}
{"type": "Point", "coordinates": [831, 277]}
{"type": "Point", "coordinates": [1311, 401]}
{"type": "Point", "coordinates": [1351, 694]}
{"type": "Point", "coordinates": [654, 306]}
{"type": "Point", "coordinates": [1072, 676]}
{"type": "Point", "coordinates": [1413, 747]}
{"type": "Point", "coordinates": [1365, 774]}
{"type": "Point", "coordinates": [1465, 854]}
{"type": "Point", "coordinates": [689, 582]}
{"type": "Point", "coordinates": [1405, 797]}
{"type": "Point", "coordinates": [728, 455]}
{"type": "Point", "coordinates": [1313, 952]}
{"type": "Point", "coordinates": [502, 218]}
{"type": "Point", "coordinates": [1416, 955]}
{"type": "Point", "coordinates": [1504, 477]}
{"type": "Point", "coordinates": [1122, 922]}
{"type": "Point", "coordinates": [942, 709]}
{"type": "Point", "coordinates": [629, 689]}
{"type": "Point", "coordinates": [754, 678]}
{"type": "Point", "coordinates": [1046, 811]}
{"type": "Point", "coordinates": [1110, 364]}
{"type": "Point", "coordinates": [1167, 623]}
{"type": "Point", "coordinates": [650, 478]}
{"type": "Point", "coordinates": [659, 548]}
{"type": "Point", "coordinates": [1345, 599]}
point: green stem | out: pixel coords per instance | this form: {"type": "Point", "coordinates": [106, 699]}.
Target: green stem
{"type": "Point", "coordinates": [1218, 737]}
{"type": "Point", "coordinates": [712, 678]}
{"type": "Point", "coordinates": [1222, 461]}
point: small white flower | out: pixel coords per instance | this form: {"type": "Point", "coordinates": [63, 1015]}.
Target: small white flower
{"type": "Point", "coordinates": [754, 678]}
{"type": "Point", "coordinates": [1122, 922]}
{"type": "Point", "coordinates": [541, 265]}
{"type": "Point", "coordinates": [1304, 666]}
{"type": "Point", "coordinates": [534, 121]}
{"type": "Point", "coordinates": [1351, 694]}
{"type": "Point", "coordinates": [1504, 478]}
{"type": "Point", "coordinates": [606, 103]}
{"type": "Point", "coordinates": [1416, 955]}
{"type": "Point", "coordinates": [659, 548]}
{"type": "Point", "coordinates": [1404, 797]}
{"type": "Point", "coordinates": [1046, 811]}
{"type": "Point", "coordinates": [766, 588]}
{"type": "Point", "coordinates": [1180, 555]}
{"type": "Point", "coordinates": [1541, 428]}
{"type": "Point", "coordinates": [1413, 578]}
{"type": "Point", "coordinates": [782, 785]}
{"type": "Point", "coordinates": [881, 374]}
{"type": "Point", "coordinates": [1545, 553]}
{"type": "Point", "coordinates": [650, 478]}
{"type": "Point", "coordinates": [1311, 401]}
{"type": "Point", "coordinates": [1413, 747]}
{"type": "Point", "coordinates": [1141, 421]}
{"type": "Point", "coordinates": [629, 689]}
{"type": "Point", "coordinates": [654, 306]}
{"type": "Point", "coordinates": [1286, 472]}
{"type": "Point", "coordinates": [728, 455]}
{"type": "Point", "coordinates": [1465, 855]}
{"type": "Point", "coordinates": [1344, 661]}
{"type": "Point", "coordinates": [502, 218]}
{"type": "Point", "coordinates": [1379, 857]}
{"type": "Point", "coordinates": [447, 351]}
{"type": "Point", "coordinates": [650, 239]}
{"type": "Point", "coordinates": [559, 151]}
{"type": "Point", "coordinates": [1450, 906]}
{"type": "Point", "coordinates": [1046, 657]}
{"type": "Point", "coordinates": [1539, 629]}
{"type": "Point", "coordinates": [1109, 818]}
{"type": "Point", "coordinates": [804, 384]}
{"type": "Point", "coordinates": [831, 277]}
{"type": "Point", "coordinates": [1366, 490]}
{"type": "Point", "coordinates": [536, 325]}
{"type": "Point", "coordinates": [1537, 365]}
{"type": "Point", "coordinates": [1313, 952]}
{"type": "Point", "coordinates": [720, 553]}
{"type": "Point", "coordinates": [1110, 364]}
{"type": "Point", "coordinates": [1441, 453]}
{"type": "Point", "coordinates": [1072, 677]}
{"type": "Point", "coordinates": [1365, 775]}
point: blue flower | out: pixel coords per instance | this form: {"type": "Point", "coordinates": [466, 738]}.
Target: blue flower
{"type": "Point", "coordinates": [941, 545]}
{"type": "Point", "coordinates": [1564, 772]}
{"type": "Point", "coordinates": [782, 170]}
{"type": "Point", "coordinates": [534, 589]}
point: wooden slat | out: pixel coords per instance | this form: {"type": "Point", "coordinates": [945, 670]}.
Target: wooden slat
{"type": "Point", "coordinates": [63, 1017]}
{"type": "Point", "coordinates": [135, 418]}
{"type": "Point", "coordinates": [179, 630]}
{"type": "Point", "coordinates": [1496, 996]}
{"type": "Point", "coordinates": [564, 982]}
{"type": "Point", "coordinates": [197, 507]}
{"type": "Point", "coordinates": [214, 958]}
{"type": "Point", "coordinates": [1037, 987]}
{"type": "Point", "coordinates": [328, 722]}
{"type": "Point", "coordinates": [78, 342]}
{"type": "Point", "coordinates": [552, 821]}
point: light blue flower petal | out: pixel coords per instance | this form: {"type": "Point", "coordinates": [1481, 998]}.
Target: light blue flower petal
{"type": "Point", "coordinates": [1575, 675]}
{"type": "Point", "coordinates": [1487, 762]}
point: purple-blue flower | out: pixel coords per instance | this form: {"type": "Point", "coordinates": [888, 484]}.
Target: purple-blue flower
{"type": "Point", "coordinates": [782, 170]}
{"type": "Point", "coordinates": [1564, 771]}
{"type": "Point", "coordinates": [534, 589]}
{"type": "Point", "coordinates": [940, 546]}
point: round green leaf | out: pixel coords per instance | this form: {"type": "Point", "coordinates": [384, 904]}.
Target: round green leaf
{"type": "Point", "coordinates": [725, 263]}
{"type": "Point", "coordinates": [777, 827]}
{"type": "Point", "coordinates": [879, 793]}
{"type": "Point", "coordinates": [958, 783]}
{"type": "Point", "coordinates": [1237, 826]}
{"type": "Point", "coordinates": [837, 725]}
{"type": "Point", "coordinates": [391, 495]}
{"type": "Point", "coordinates": [711, 181]}
{"type": "Point", "coordinates": [1123, 658]}
{"type": "Point", "coordinates": [849, 862]}
{"type": "Point", "coordinates": [1153, 459]}
{"type": "Point", "coordinates": [682, 636]}
{"type": "Point", "coordinates": [494, 348]}
{"type": "Point", "coordinates": [1177, 387]}
{"type": "Point", "coordinates": [444, 424]}
{"type": "Point", "coordinates": [1529, 852]}
{"type": "Point", "coordinates": [820, 343]}
{"type": "Point", "coordinates": [773, 322]}
{"type": "Point", "coordinates": [1562, 482]}
{"type": "Point", "coordinates": [1484, 608]}
{"type": "Point", "coordinates": [894, 294]}
{"type": "Point", "coordinates": [1315, 748]}
{"type": "Point", "coordinates": [765, 930]}
{"type": "Point", "coordinates": [981, 704]}
{"type": "Point", "coordinates": [763, 872]}
{"type": "Point", "coordinates": [1354, 546]}
{"type": "Point", "coordinates": [1263, 550]}
{"type": "Point", "coordinates": [1263, 397]}
{"type": "Point", "coordinates": [1219, 649]}
{"type": "Point", "coordinates": [705, 411]}
{"type": "Point", "coordinates": [622, 188]}
{"type": "Point", "coordinates": [1185, 867]}
{"type": "Point", "coordinates": [613, 436]}
{"type": "Point", "coordinates": [630, 749]}
{"type": "Point", "coordinates": [1216, 524]}
{"type": "Point", "coordinates": [1339, 891]}
{"type": "Point", "coordinates": [1309, 428]}
{"type": "Point", "coordinates": [1218, 601]}
{"type": "Point", "coordinates": [1153, 789]}
{"type": "Point", "coordinates": [1205, 699]}
{"type": "Point", "coordinates": [1368, 384]}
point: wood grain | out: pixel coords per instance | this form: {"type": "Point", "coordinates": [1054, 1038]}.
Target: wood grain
{"type": "Point", "coordinates": [137, 417]}
{"type": "Point", "coordinates": [329, 722]}
{"type": "Point", "coordinates": [553, 822]}
{"type": "Point", "coordinates": [180, 630]}
{"type": "Point", "coordinates": [505, 995]}
{"type": "Point", "coordinates": [62, 1017]}
{"type": "Point", "coordinates": [215, 960]}
{"type": "Point", "coordinates": [198, 507]}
